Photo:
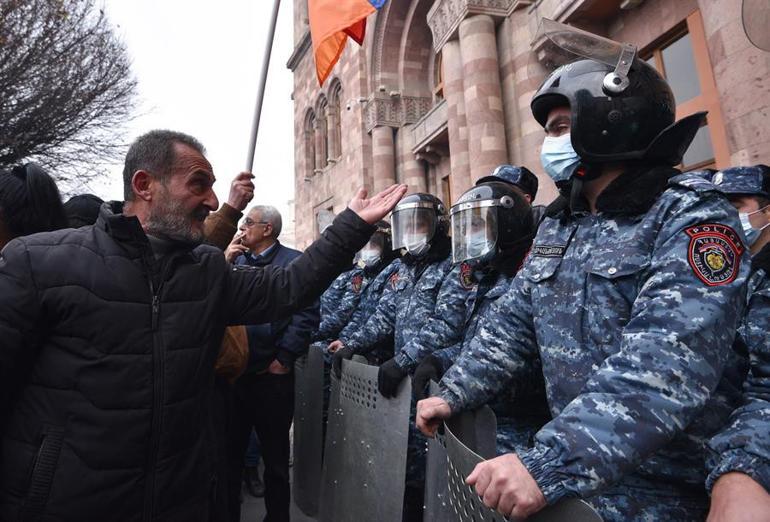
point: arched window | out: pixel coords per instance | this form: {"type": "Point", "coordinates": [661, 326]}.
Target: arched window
{"type": "Point", "coordinates": [321, 134]}
{"type": "Point", "coordinates": [309, 143]}
{"type": "Point", "coordinates": [334, 121]}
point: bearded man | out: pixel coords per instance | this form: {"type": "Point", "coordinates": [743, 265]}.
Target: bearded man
{"type": "Point", "coordinates": [109, 337]}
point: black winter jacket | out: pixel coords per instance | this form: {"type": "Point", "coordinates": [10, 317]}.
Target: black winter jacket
{"type": "Point", "coordinates": [106, 365]}
{"type": "Point", "coordinates": [285, 339]}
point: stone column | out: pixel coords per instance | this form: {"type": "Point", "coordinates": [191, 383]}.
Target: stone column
{"type": "Point", "coordinates": [742, 77]}
{"type": "Point", "coordinates": [452, 62]}
{"type": "Point", "coordinates": [411, 171]}
{"type": "Point", "coordinates": [383, 158]}
{"type": "Point", "coordinates": [483, 98]}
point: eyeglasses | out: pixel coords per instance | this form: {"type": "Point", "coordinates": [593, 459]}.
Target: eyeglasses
{"type": "Point", "coordinates": [250, 222]}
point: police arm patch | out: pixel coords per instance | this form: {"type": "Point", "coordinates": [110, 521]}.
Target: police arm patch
{"type": "Point", "coordinates": [466, 276]}
{"type": "Point", "coordinates": [714, 253]}
{"type": "Point", "coordinates": [356, 283]}
{"type": "Point", "coordinates": [394, 280]}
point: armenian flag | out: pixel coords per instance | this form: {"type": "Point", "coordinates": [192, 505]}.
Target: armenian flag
{"type": "Point", "coordinates": [331, 22]}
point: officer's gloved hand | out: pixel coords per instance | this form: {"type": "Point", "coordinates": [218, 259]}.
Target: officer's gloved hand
{"type": "Point", "coordinates": [429, 370]}
{"type": "Point", "coordinates": [345, 352]}
{"type": "Point", "coordinates": [389, 377]}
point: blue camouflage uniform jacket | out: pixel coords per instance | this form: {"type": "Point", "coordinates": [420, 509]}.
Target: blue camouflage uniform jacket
{"type": "Point", "coordinates": [521, 408]}
{"type": "Point", "coordinates": [443, 324]}
{"type": "Point", "coordinates": [403, 310]}
{"type": "Point", "coordinates": [346, 290]}
{"type": "Point", "coordinates": [744, 445]}
{"type": "Point", "coordinates": [370, 298]}
{"type": "Point", "coordinates": [630, 311]}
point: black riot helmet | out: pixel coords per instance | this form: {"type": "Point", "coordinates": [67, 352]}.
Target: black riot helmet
{"type": "Point", "coordinates": [489, 219]}
{"type": "Point", "coordinates": [419, 220]}
{"type": "Point", "coordinates": [621, 108]}
{"type": "Point", "coordinates": [378, 252]}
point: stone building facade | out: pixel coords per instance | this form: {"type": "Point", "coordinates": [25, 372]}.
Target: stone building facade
{"type": "Point", "coordinates": [439, 93]}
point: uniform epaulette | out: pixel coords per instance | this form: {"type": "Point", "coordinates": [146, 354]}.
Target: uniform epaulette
{"type": "Point", "coordinates": [692, 182]}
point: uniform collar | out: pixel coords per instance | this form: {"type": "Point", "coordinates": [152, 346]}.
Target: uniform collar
{"type": "Point", "coordinates": [632, 193]}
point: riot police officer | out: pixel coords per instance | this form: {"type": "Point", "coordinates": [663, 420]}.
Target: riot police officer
{"type": "Point", "coordinates": [420, 227]}
{"type": "Point", "coordinates": [630, 295]}
{"type": "Point", "coordinates": [369, 261]}
{"type": "Point", "coordinates": [492, 230]}
{"type": "Point", "coordinates": [739, 457]}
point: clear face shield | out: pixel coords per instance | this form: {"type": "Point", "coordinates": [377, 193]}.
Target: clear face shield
{"type": "Point", "coordinates": [558, 45]}
{"type": "Point", "coordinates": [474, 229]}
{"type": "Point", "coordinates": [413, 226]}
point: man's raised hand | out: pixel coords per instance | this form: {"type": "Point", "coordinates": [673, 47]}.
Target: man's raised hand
{"type": "Point", "coordinates": [377, 207]}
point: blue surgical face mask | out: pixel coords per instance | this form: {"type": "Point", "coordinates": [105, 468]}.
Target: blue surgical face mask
{"type": "Point", "coordinates": [558, 157]}
{"type": "Point", "coordinates": [751, 233]}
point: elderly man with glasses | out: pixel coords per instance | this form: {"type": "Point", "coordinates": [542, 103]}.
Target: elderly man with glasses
{"type": "Point", "coordinates": [263, 397]}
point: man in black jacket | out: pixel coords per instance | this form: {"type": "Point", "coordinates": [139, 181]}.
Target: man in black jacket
{"type": "Point", "coordinates": [263, 397]}
{"type": "Point", "coordinates": [108, 336]}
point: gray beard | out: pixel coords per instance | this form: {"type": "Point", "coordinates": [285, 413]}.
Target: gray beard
{"type": "Point", "coordinates": [169, 220]}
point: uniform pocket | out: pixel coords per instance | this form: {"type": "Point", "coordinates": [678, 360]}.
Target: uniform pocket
{"type": "Point", "coordinates": [43, 470]}
{"type": "Point", "coordinates": [540, 269]}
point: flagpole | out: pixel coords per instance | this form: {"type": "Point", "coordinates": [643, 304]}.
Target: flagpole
{"type": "Point", "coordinates": [262, 82]}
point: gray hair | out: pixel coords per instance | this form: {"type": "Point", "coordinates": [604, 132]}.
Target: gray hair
{"type": "Point", "coordinates": [270, 215]}
{"type": "Point", "coordinates": [154, 152]}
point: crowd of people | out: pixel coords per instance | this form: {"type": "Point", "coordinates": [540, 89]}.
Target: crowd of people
{"type": "Point", "coordinates": [619, 334]}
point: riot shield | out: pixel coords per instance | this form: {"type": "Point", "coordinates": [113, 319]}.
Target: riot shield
{"type": "Point", "coordinates": [467, 505]}
{"type": "Point", "coordinates": [308, 430]}
{"type": "Point", "coordinates": [478, 428]}
{"type": "Point", "coordinates": [365, 460]}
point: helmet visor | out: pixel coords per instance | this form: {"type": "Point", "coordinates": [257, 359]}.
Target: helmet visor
{"type": "Point", "coordinates": [474, 231]}
{"type": "Point", "coordinates": [413, 226]}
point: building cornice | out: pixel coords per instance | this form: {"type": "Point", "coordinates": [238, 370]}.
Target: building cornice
{"type": "Point", "coordinates": [299, 51]}
{"type": "Point", "coordinates": [445, 16]}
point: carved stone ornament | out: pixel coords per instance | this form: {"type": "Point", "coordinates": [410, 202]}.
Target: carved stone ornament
{"type": "Point", "coordinates": [445, 16]}
{"type": "Point", "coordinates": [394, 111]}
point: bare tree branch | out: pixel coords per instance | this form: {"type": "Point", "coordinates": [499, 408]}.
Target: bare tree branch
{"type": "Point", "coordinates": [66, 88]}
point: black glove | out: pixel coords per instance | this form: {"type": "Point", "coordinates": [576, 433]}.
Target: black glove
{"type": "Point", "coordinates": [389, 377]}
{"type": "Point", "coordinates": [429, 370]}
{"type": "Point", "coordinates": [346, 352]}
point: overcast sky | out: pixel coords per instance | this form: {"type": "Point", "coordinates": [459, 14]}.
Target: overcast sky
{"type": "Point", "coordinates": [197, 63]}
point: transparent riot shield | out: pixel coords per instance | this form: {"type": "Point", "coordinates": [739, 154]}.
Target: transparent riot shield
{"type": "Point", "coordinates": [308, 430]}
{"type": "Point", "coordinates": [467, 506]}
{"type": "Point", "coordinates": [365, 460]}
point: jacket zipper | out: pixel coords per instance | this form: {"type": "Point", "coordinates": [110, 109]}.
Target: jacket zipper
{"type": "Point", "coordinates": [157, 391]}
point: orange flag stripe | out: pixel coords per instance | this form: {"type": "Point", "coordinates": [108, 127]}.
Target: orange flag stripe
{"type": "Point", "coordinates": [331, 21]}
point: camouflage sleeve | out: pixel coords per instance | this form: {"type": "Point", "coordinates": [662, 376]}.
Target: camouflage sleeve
{"type": "Point", "coordinates": [671, 357]}
{"type": "Point", "coordinates": [333, 294]}
{"type": "Point", "coordinates": [744, 445]}
{"type": "Point", "coordinates": [500, 351]}
{"type": "Point", "coordinates": [332, 323]}
{"type": "Point", "coordinates": [370, 302]}
{"type": "Point", "coordinates": [445, 325]}
{"type": "Point", "coordinates": [377, 328]}
{"type": "Point", "coordinates": [447, 356]}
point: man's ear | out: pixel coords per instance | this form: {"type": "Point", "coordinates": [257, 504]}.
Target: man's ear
{"type": "Point", "coordinates": [141, 184]}
{"type": "Point", "coordinates": [268, 230]}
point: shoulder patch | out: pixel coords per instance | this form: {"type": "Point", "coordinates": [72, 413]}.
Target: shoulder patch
{"type": "Point", "coordinates": [692, 182]}
{"type": "Point", "coordinates": [714, 253]}
{"type": "Point", "coordinates": [394, 280]}
{"type": "Point", "coordinates": [466, 276]}
{"type": "Point", "coordinates": [356, 282]}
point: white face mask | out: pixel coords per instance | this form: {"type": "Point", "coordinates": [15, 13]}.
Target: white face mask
{"type": "Point", "coordinates": [416, 244]}
{"type": "Point", "coordinates": [750, 231]}
{"type": "Point", "coordinates": [370, 256]}
{"type": "Point", "coordinates": [558, 157]}
{"type": "Point", "coordinates": [477, 244]}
